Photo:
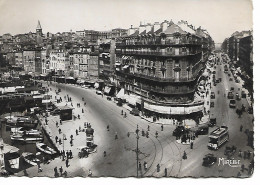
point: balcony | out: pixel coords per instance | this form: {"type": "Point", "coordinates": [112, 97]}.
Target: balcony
{"type": "Point", "coordinates": [158, 53]}
{"type": "Point", "coordinates": [157, 79]}
{"type": "Point", "coordinates": [167, 91]}
{"type": "Point", "coordinates": [161, 43]}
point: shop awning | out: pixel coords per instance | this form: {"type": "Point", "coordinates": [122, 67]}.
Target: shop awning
{"type": "Point", "coordinates": [121, 94]}
{"type": "Point", "coordinates": [132, 99]}
{"type": "Point", "coordinates": [173, 110]}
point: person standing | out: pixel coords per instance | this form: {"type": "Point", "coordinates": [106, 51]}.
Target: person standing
{"type": "Point", "coordinates": [191, 144]}
{"type": "Point", "coordinates": [61, 170]}
{"type": "Point", "coordinates": [67, 162]}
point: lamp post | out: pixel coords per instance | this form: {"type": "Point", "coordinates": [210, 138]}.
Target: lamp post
{"type": "Point", "coordinates": [137, 150]}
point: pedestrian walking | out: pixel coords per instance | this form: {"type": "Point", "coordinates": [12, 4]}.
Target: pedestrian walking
{"type": "Point", "coordinates": [165, 172]}
{"type": "Point", "coordinates": [139, 166]}
{"type": "Point", "coordinates": [39, 167]}
{"type": "Point", "coordinates": [59, 131]}
{"type": "Point", "coordinates": [67, 162]}
{"type": "Point", "coordinates": [60, 141]}
{"type": "Point", "coordinates": [78, 116]}
{"type": "Point", "coordinates": [107, 127]}
{"type": "Point", "coordinates": [70, 154]}
{"type": "Point", "coordinates": [242, 167]}
{"type": "Point", "coordinates": [77, 132]}
{"type": "Point", "coordinates": [85, 104]}
{"type": "Point", "coordinates": [105, 153]}
{"type": "Point", "coordinates": [55, 172]}
{"type": "Point", "coordinates": [148, 128]}
{"type": "Point", "coordinates": [191, 145]}
{"type": "Point", "coordinates": [71, 143]}
{"type": "Point", "coordinates": [158, 168]}
{"type": "Point", "coordinates": [57, 124]}
{"type": "Point", "coordinates": [61, 170]}
{"type": "Point", "coordinates": [71, 137]}
{"type": "Point", "coordinates": [241, 128]}
{"type": "Point", "coordinates": [60, 122]}
{"type": "Point", "coordinates": [82, 110]}
{"type": "Point", "coordinates": [161, 127]}
{"type": "Point", "coordinates": [56, 139]}
{"type": "Point", "coordinates": [184, 155]}
{"type": "Point", "coordinates": [145, 165]}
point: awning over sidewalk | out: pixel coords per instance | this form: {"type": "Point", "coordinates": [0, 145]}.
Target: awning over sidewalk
{"type": "Point", "coordinates": [173, 110]}
{"type": "Point", "coordinates": [121, 94]}
{"type": "Point", "coordinates": [133, 99]}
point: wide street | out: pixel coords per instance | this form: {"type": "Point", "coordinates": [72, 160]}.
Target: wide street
{"type": "Point", "coordinates": [164, 151]}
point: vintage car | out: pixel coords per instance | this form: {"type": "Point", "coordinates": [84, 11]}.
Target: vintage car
{"type": "Point", "coordinates": [209, 160]}
{"type": "Point", "coordinates": [212, 122]}
{"type": "Point", "coordinates": [232, 103]}
{"type": "Point", "coordinates": [212, 95]}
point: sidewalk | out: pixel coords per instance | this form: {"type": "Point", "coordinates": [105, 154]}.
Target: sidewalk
{"type": "Point", "coordinates": [68, 131]}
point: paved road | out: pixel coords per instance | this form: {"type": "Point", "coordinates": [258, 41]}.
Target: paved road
{"type": "Point", "coordinates": [121, 159]}
{"type": "Point", "coordinates": [121, 155]}
{"type": "Point", "coordinates": [225, 116]}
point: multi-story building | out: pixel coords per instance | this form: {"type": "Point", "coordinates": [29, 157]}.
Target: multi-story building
{"type": "Point", "coordinates": [118, 32]}
{"type": "Point", "coordinates": [161, 64]}
{"type": "Point", "coordinates": [19, 59]}
{"type": "Point", "coordinates": [93, 65]}
{"type": "Point", "coordinates": [59, 62]}
{"type": "Point", "coordinates": [91, 36]}
{"type": "Point", "coordinates": [45, 58]}
{"type": "Point", "coordinates": [29, 60]}
{"type": "Point", "coordinates": [80, 62]}
{"type": "Point", "coordinates": [107, 58]}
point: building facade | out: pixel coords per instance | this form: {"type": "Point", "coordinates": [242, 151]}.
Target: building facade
{"type": "Point", "coordinates": [161, 64]}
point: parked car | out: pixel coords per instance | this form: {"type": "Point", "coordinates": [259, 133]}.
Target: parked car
{"type": "Point", "coordinates": [231, 88]}
{"type": "Point", "coordinates": [243, 94]}
{"type": "Point", "coordinates": [212, 104]}
{"type": "Point", "coordinates": [212, 95]}
{"type": "Point", "coordinates": [209, 160]}
{"type": "Point", "coordinates": [232, 103]}
{"type": "Point", "coordinates": [212, 122]}
{"type": "Point", "coordinates": [230, 79]}
{"type": "Point", "coordinates": [217, 81]}
{"type": "Point", "coordinates": [230, 95]}
{"type": "Point", "coordinates": [135, 112]}
{"type": "Point", "coordinates": [109, 98]}
{"type": "Point", "coordinates": [180, 130]}
{"type": "Point", "coordinates": [237, 81]}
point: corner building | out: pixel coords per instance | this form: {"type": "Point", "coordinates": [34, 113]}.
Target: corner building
{"type": "Point", "coordinates": [161, 64]}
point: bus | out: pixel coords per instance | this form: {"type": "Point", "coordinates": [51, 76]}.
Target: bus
{"type": "Point", "coordinates": [218, 137]}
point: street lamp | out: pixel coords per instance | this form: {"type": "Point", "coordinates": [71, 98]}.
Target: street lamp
{"type": "Point", "coordinates": [137, 150]}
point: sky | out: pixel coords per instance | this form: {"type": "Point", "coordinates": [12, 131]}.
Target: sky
{"type": "Point", "coordinates": [220, 18]}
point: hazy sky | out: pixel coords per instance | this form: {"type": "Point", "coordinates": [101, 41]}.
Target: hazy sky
{"type": "Point", "coordinates": [220, 17]}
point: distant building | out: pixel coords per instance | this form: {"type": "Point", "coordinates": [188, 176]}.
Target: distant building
{"type": "Point", "coordinates": [59, 62]}
{"type": "Point", "coordinates": [39, 35]}
{"type": "Point", "coordinates": [93, 66]}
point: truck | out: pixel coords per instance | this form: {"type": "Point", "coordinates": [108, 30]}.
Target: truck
{"type": "Point", "coordinates": [218, 137]}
